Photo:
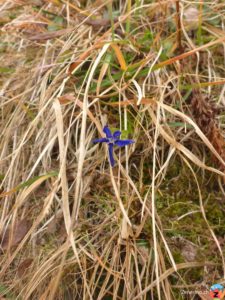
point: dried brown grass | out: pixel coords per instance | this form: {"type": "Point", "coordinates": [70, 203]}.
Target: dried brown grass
{"type": "Point", "coordinates": [96, 232]}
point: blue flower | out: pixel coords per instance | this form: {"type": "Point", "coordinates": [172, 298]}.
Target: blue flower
{"type": "Point", "coordinates": [112, 140]}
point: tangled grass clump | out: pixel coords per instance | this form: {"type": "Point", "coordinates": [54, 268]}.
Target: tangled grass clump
{"type": "Point", "coordinates": [73, 227]}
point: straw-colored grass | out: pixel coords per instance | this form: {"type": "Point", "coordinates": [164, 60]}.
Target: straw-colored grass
{"type": "Point", "coordinates": [73, 227]}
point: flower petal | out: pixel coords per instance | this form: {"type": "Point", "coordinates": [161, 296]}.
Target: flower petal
{"type": "Point", "coordinates": [102, 140]}
{"type": "Point", "coordinates": [107, 131]}
{"type": "Point", "coordinates": [111, 159]}
{"type": "Point", "coordinates": [122, 143]}
{"type": "Point", "coordinates": [116, 134]}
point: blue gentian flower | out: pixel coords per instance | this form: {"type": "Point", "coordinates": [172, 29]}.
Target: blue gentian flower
{"type": "Point", "coordinates": [112, 140]}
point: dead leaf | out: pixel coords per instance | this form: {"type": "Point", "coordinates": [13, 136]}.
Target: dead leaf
{"type": "Point", "coordinates": [49, 35]}
{"type": "Point", "coordinates": [22, 268]}
{"type": "Point", "coordinates": [189, 252]}
{"type": "Point", "coordinates": [11, 239]}
{"type": "Point", "coordinates": [67, 98]}
{"type": "Point", "coordinates": [97, 22]}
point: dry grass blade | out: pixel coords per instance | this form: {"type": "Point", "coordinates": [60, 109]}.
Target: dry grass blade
{"type": "Point", "coordinates": [71, 225]}
{"type": "Point", "coordinates": [189, 53]}
{"type": "Point", "coordinates": [119, 56]}
{"type": "Point", "coordinates": [62, 173]}
{"type": "Point", "coordinates": [170, 272]}
{"type": "Point", "coordinates": [82, 136]}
